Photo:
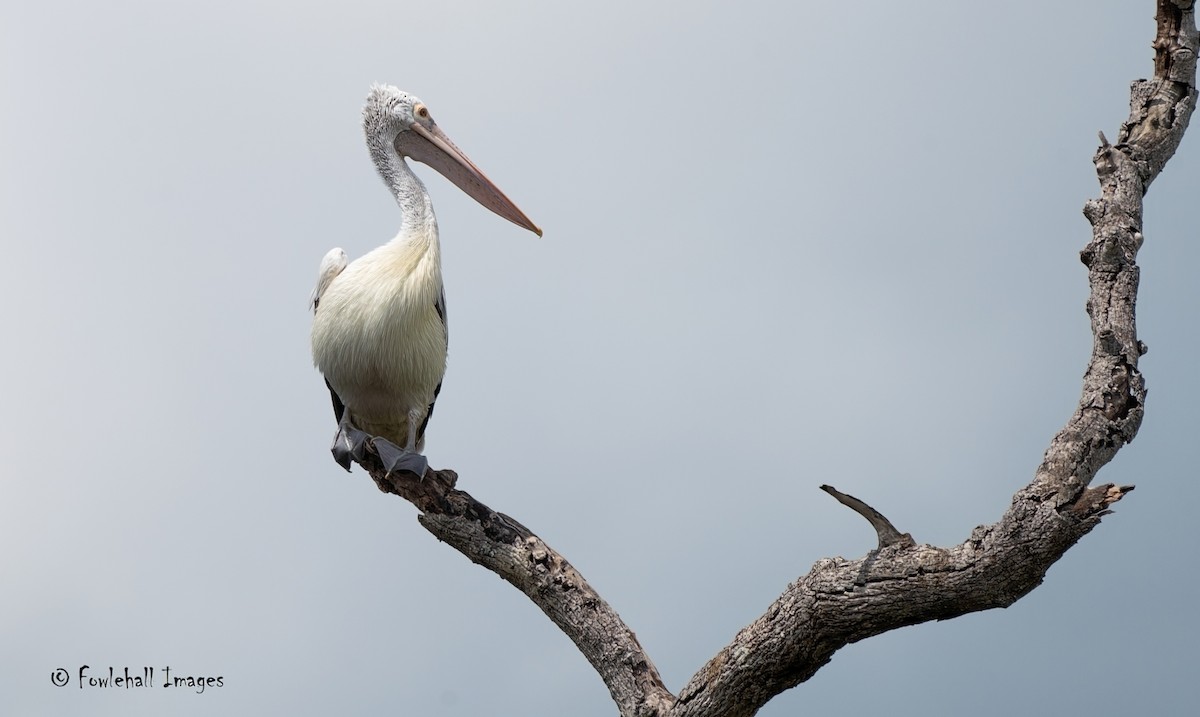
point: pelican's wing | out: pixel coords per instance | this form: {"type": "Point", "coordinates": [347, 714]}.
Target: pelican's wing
{"type": "Point", "coordinates": [332, 265]}
{"type": "Point", "coordinates": [338, 407]}
{"type": "Point", "coordinates": [440, 307]}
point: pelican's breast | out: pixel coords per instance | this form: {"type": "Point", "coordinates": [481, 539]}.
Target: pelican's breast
{"type": "Point", "coordinates": [377, 336]}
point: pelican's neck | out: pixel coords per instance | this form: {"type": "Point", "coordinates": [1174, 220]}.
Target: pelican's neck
{"type": "Point", "coordinates": [418, 223]}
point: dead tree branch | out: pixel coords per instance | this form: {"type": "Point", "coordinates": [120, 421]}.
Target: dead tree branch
{"type": "Point", "coordinates": [843, 601]}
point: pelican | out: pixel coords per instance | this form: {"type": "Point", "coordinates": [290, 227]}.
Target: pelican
{"type": "Point", "coordinates": [379, 326]}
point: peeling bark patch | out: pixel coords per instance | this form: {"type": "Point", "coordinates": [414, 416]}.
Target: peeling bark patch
{"type": "Point", "coordinates": [1118, 398]}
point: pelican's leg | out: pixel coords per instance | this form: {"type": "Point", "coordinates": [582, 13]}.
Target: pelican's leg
{"type": "Point", "coordinates": [348, 443]}
{"type": "Point", "coordinates": [408, 459]}
{"type": "Point", "coordinates": [414, 420]}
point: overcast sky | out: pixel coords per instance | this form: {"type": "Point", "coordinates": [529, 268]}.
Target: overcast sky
{"type": "Point", "coordinates": [786, 244]}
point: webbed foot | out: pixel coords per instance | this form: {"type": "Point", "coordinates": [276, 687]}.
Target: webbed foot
{"type": "Point", "coordinates": [348, 444]}
{"type": "Point", "coordinates": [396, 458]}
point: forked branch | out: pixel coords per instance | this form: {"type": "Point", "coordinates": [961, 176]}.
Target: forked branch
{"type": "Point", "coordinates": [901, 583]}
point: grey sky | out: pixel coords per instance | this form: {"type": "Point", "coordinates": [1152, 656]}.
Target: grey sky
{"type": "Point", "coordinates": [786, 244]}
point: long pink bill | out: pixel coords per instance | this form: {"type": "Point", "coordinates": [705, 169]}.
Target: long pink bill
{"type": "Point", "coordinates": [431, 146]}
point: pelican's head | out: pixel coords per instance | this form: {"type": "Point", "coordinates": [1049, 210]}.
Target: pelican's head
{"type": "Point", "coordinates": [388, 112]}
{"type": "Point", "coordinates": [395, 121]}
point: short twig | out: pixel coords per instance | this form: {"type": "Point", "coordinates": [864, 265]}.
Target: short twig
{"type": "Point", "coordinates": [888, 535]}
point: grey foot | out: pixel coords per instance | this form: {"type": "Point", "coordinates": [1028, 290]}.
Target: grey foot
{"type": "Point", "coordinates": [396, 458]}
{"type": "Point", "coordinates": [349, 444]}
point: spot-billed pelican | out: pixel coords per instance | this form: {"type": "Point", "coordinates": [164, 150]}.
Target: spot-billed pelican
{"type": "Point", "coordinates": [379, 331]}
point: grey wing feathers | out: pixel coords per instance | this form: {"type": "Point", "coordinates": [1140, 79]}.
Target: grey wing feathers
{"type": "Point", "coordinates": [440, 307]}
{"type": "Point", "coordinates": [338, 407]}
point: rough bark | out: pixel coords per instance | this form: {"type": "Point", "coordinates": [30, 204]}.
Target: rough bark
{"type": "Point", "coordinates": [901, 583]}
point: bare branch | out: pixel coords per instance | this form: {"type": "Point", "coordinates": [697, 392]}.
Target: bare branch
{"type": "Point", "coordinates": [509, 549]}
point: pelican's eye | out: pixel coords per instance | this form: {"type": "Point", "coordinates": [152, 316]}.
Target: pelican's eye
{"type": "Point", "coordinates": [421, 111]}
